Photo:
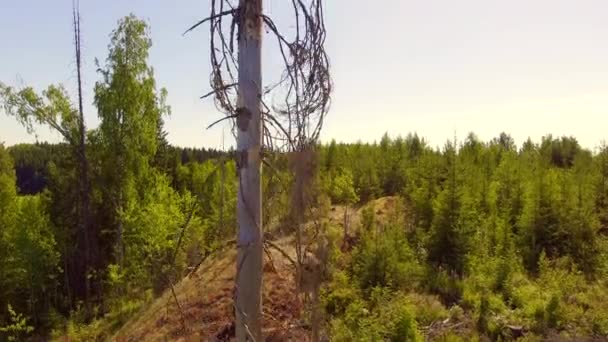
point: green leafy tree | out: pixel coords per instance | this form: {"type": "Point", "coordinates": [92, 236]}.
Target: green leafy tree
{"type": "Point", "coordinates": [28, 253]}
{"type": "Point", "coordinates": [131, 109]}
{"type": "Point", "coordinates": [580, 216]}
{"type": "Point", "coordinates": [153, 229]}
{"type": "Point", "coordinates": [331, 155]}
{"type": "Point", "coordinates": [384, 258]}
{"type": "Point", "coordinates": [8, 216]}
{"type": "Point", "coordinates": [423, 187]}
{"type": "Point", "coordinates": [35, 258]}
{"type": "Point", "coordinates": [365, 173]}
{"type": "Point", "coordinates": [215, 186]}
{"type": "Point", "coordinates": [448, 241]}
{"type": "Point", "coordinates": [342, 190]}
{"type": "Point", "coordinates": [601, 185]}
{"type": "Point", "coordinates": [539, 221]}
{"type": "Point", "coordinates": [54, 109]}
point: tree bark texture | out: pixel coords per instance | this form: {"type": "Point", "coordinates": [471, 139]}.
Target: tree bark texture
{"type": "Point", "coordinates": [249, 205]}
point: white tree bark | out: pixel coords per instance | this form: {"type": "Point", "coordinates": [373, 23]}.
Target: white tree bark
{"type": "Point", "coordinates": [249, 205]}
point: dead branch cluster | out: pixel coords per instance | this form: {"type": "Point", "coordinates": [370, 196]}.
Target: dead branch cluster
{"type": "Point", "coordinates": [294, 106]}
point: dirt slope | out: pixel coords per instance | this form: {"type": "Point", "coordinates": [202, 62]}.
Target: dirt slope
{"type": "Point", "coordinates": [205, 311]}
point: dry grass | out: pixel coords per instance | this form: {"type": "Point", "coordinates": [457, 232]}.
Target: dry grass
{"type": "Point", "coordinates": [206, 302]}
{"type": "Point", "coordinates": [383, 208]}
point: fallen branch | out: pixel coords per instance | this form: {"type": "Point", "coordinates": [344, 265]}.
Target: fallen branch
{"type": "Point", "coordinates": [275, 246]}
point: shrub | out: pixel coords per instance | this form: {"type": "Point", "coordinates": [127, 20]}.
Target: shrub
{"type": "Point", "coordinates": [391, 318]}
{"type": "Point", "coordinates": [404, 328]}
{"type": "Point", "coordinates": [428, 308]}
{"type": "Point", "coordinates": [18, 327]}
{"type": "Point", "coordinates": [552, 312]}
{"type": "Point", "coordinates": [448, 288]}
{"type": "Point", "coordinates": [385, 259]}
{"type": "Point", "coordinates": [339, 295]}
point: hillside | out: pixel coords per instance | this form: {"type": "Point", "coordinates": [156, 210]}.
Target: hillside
{"type": "Point", "coordinates": [200, 308]}
{"type": "Point", "coordinates": [205, 296]}
{"type": "Point", "coordinates": [205, 309]}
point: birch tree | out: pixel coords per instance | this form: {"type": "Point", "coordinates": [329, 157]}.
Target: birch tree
{"type": "Point", "coordinates": [130, 108]}
{"type": "Point", "coordinates": [55, 110]}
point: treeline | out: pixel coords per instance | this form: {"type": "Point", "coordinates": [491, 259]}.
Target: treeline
{"type": "Point", "coordinates": [512, 236]}
{"type": "Point", "coordinates": [549, 197]}
{"type": "Point", "coordinates": [485, 226]}
{"type": "Point", "coordinates": [32, 162]}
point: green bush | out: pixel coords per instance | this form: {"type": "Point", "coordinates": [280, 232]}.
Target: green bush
{"type": "Point", "coordinates": [18, 328]}
{"type": "Point", "coordinates": [404, 328]}
{"type": "Point", "coordinates": [386, 317]}
{"type": "Point", "coordinates": [428, 308]}
{"type": "Point", "coordinates": [553, 313]}
{"type": "Point", "coordinates": [384, 258]}
{"type": "Point", "coordinates": [448, 288]}
{"type": "Point", "coordinates": [339, 295]}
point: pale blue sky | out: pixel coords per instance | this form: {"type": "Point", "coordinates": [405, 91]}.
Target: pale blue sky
{"type": "Point", "coordinates": [434, 67]}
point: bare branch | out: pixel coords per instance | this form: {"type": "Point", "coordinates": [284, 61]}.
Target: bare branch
{"type": "Point", "coordinates": [221, 14]}
{"type": "Point", "coordinates": [214, 91]}
{"type": "Point", "coordinates": [303, 90]}
{"type": "Point", "coordinates": [233, 116]}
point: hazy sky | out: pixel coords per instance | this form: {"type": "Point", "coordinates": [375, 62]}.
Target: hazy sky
{"type": "Point", "coordinates": [434, 67]}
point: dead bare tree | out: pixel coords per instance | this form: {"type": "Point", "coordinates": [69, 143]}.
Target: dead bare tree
{"type": "Point", "coordinates": [290, 122]}
{"type": "Point", "coordinates": [84, 183]}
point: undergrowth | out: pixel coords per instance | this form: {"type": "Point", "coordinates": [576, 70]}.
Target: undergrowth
{"type": "Point", "coordinates": [383, 291]}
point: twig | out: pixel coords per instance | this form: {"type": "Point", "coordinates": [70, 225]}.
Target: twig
{"type": "Point", "coordinates": [214, 91]}
{"type": "Point", "coordinates": [179, 307]}
{"type": "Point", "coordinates": [275, 246]}
{"type": "Point", "coordinates": [221, 14]}
{"type": "Point", "coordinates": [183, 230]}
{"type": "Point", "coordinates": [269, 255]}
{"type": "Point", "coordinates": [222, 119]}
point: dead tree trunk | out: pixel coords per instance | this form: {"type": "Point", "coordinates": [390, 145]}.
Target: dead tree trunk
{"type": "Point", "coordinates": [296, 120]}
{"type": "Point", "coordinates": [249, 205]}
{"type": "Point", "coordinates": [84, 185]}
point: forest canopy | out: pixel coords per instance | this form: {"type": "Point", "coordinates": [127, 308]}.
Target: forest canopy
{"type": "Point", "coordinates": [478, 221]}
